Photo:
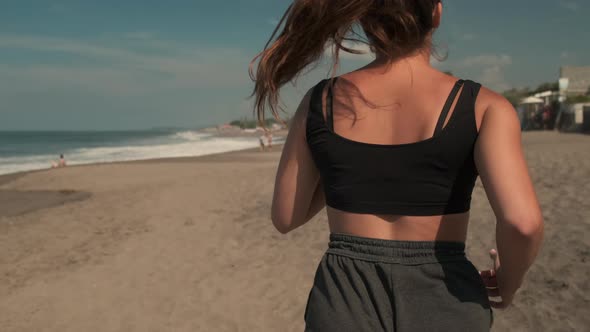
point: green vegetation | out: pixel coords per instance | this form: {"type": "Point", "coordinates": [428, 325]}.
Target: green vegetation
{"type": "Point", "coordinates": [514, 95]}
{"type": "Point", "coordinates": [547, 87]}
{"type": "Point", "coordinates": [578, 99]}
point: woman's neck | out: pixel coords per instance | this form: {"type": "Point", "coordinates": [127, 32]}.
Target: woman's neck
{"type": "Point", "coordinates": [420, 57]}
{"type": "Point", "coordinates": [418, 62]}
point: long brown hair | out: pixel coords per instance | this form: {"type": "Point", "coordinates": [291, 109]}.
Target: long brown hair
{"type": "Point", "coordinates": [394, 28]}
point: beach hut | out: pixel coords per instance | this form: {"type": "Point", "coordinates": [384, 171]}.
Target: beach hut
{"type": "Point", "coordinates": [574, 118]}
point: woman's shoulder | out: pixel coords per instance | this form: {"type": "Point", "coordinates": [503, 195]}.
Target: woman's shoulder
{"type": "Point", "coordinates": [491, 101]}
{"type": "Point", "coordinates": [493, 110]}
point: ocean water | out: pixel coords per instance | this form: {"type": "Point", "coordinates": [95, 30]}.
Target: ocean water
{"type": "Point", "coordinates": [33, 150]}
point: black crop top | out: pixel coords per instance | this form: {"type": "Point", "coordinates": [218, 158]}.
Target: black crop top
{"type": "Point", "coordinates": [430, 177]}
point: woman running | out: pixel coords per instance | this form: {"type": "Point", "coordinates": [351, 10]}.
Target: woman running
{"type": "Point", "coordinates": [393, 150]}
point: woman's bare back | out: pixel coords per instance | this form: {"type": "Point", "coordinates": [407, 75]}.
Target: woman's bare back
{"type": "Point", "coordinates": [389, 106]}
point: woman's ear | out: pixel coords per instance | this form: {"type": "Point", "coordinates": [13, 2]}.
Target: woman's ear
{"type": "Point", "coordinates": [437, 15]}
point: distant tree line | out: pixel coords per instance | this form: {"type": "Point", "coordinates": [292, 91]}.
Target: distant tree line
{"type": "Point", "coordinates": [579, 99]}
{"type": "Point", "coordinates": [516, 95]}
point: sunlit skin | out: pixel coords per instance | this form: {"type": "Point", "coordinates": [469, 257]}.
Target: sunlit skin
{"type": "Point", "coordinates": [411, 94]}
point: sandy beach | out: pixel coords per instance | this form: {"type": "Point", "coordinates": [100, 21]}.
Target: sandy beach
{"type": "Point", "coordinates": [186, 244]}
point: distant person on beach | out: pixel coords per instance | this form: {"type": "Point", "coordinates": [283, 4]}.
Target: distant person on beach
{"type": "Point", "coordinates": [262, 141]}
{"type": "Point", "coordinates": [265, 141]}
{"type": "Point", "coordinates": [521, 117]}
{"type": "Point", "coordinates": [392, 150]}
{"type": "Point", "coordinates": [269, 138]}
{"type": "Point", "coordinates": [61, 162]}
{"type": "Point", "coordinates": [548, 116]}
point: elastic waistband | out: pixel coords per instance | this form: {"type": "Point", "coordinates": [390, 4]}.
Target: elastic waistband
{"type": "Point", "coordinates": [394, 251]}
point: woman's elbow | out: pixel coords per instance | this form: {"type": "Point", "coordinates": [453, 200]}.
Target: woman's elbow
{"type": "Point", "coordinates": [281, 222]}
{"type": "Point", "coordinates": [281, 227]}
{"type": "Point", "coordinates": [530, 227]}
{"type": "Point", "coordinates": [533, 229]}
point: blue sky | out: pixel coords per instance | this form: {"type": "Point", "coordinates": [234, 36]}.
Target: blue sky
{"type": "Point", "coordinates": [80, 65]}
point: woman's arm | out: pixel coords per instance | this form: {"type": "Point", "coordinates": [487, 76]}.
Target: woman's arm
{"type": "Point", "coordinates": [504, 173]}
{"type": "Point", "coordinates": [298, 194]}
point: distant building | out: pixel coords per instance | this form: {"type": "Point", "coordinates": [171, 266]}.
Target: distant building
{"type": "Point", "coordinates": [578, 79]}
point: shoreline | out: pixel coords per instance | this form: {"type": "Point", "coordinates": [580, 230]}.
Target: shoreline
{"type": "Point", "coordinates": [9, 177]}
{"type": "Point", "coordinates": [10, 199]}
{"type": "Point", "coordinates": [6, 178]}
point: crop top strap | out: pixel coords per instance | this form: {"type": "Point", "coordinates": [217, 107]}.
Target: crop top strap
{"type": "Point", "coordinates": [472, 92]}
{"type": "Point", "coordinates": [466, 102]}
{"type": "Point", "coordinates": [447, 107]}
{"type": "Point", "coordinates": [329, 102]}
{"type": "Point", "coordinates": [315, 117]}
{"type": "Point", "coordinates": [316, 96]}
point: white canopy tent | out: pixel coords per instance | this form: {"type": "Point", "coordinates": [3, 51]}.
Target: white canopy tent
{"type": "Point", "coordinates": [532, 100]}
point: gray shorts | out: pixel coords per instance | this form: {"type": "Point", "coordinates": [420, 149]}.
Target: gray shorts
{"type": "Point", "coordinates": [366, 284]}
